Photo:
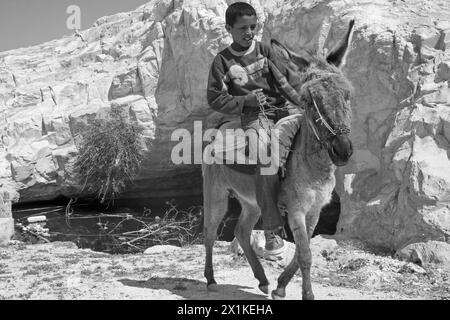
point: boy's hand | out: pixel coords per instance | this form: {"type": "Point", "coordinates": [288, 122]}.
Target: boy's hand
{"type": "Point", "coordinates": [256, 98]}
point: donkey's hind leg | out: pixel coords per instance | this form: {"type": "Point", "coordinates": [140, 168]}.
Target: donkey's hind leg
{"type": "Point", "coordinates": [215, 204]}
{"type": "Point", "coordinates": [247, 220]}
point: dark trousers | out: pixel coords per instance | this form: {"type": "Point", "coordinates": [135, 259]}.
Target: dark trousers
{"type": "Point", "coordinates": [267, 185]}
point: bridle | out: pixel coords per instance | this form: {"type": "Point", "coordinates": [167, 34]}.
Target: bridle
{"type": "Point", "coordinates": [333, 132]}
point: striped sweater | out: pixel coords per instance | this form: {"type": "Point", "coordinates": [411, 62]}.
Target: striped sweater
{"type": "Point", "coordinates": [235, 74]}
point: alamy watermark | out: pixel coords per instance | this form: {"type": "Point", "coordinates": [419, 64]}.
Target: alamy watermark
{"type": "Point", "coordinates": [73, 21]}
{"type": "Point", "coordinates": [228, 146]}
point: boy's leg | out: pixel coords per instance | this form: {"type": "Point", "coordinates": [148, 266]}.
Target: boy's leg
{"type": "Point", "coordinates": [267, 188]}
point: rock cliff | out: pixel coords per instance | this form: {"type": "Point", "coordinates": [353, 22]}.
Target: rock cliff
{"type": "Point", "coordinates": [153, 62]}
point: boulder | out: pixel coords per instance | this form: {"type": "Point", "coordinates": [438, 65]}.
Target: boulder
{"type": "Point", "coordinates": [424, 253]}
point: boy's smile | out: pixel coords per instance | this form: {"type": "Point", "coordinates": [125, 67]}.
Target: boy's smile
{"type": "Point", "coordinates": [243, 32]}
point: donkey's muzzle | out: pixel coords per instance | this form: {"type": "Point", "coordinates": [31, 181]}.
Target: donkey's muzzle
{"type": "Point", "coordinates": [340, 149]}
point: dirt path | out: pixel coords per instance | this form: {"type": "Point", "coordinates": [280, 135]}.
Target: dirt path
{"type": "Point", "coordinates": [61, 271]}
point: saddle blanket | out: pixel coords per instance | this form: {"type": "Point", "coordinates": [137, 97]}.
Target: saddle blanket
{"type": "Point", "coordinates": [230, 145]}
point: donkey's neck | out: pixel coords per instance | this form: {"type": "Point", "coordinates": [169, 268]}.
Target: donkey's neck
{"type": "Point", "coordinates": [309, 153]}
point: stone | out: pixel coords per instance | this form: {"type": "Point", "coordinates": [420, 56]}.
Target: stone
{"type": "Point", "coordinates": [322, 246]}
{"type": "Point", "coordinates": [166, 249]}
{"type": "Point", "coordinates": [6, 230]}
{"type": "Point", "coordinates": [6, 219]}
{"type": "Point", "coordinates": [443, 72]}
{"type": "Point", "coordinates": [412, 268]}
{"type": "Point", "coordinates": [423, 253]}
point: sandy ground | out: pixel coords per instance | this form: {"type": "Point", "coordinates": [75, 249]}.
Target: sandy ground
{"type": "Point", "coordinates": [60, 270]}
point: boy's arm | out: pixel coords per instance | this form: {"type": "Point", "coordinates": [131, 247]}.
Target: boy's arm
{"type": "Point", "coordinates": [217, 92]}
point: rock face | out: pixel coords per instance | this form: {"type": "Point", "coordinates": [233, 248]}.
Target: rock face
{"type": "Point", "coordinates": [153, 62]}
{"type": "Point", "coordinates": [396, 191]}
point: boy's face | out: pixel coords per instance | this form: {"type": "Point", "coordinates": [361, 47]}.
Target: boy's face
{"type": "Point", "coordinates": [243, 30]}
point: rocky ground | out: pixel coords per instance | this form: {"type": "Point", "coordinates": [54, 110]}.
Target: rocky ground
{"type": "Point", "coordinates": [341, 270]}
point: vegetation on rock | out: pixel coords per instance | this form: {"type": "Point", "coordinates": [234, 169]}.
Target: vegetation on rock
{"type": "Point", "coordinates": [110, 156]}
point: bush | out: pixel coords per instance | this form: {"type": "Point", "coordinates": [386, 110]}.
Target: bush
{"type": "Point", "coordinates": [110, 156]}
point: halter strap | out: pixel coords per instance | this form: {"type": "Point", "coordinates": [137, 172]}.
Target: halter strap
{"type": "Point", "coordinates": [321, 118]}
{"type": "Point", "coordinates": [313, 128]}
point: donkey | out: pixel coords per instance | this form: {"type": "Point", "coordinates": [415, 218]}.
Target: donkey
{"type": "Point", "coordinates": [320, 144]}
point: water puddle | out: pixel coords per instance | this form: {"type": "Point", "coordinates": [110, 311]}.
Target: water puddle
{"type": "Point", "coordinates": [122, 230]}
{"type": "Point", "coordinates": [134, 226]}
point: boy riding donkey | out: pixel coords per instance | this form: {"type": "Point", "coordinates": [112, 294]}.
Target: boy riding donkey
{"type": "Point", "coordinates": [245, 81]}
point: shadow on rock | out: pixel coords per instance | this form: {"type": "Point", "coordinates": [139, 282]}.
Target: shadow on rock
{"type": "Point", "coordinates": [195, 289]}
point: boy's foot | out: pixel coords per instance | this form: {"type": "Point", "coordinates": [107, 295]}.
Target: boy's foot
{"type": "Point", "coordinates": [274, 243]}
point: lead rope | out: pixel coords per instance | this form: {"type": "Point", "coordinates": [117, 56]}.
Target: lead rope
{"type": "Point", "coordinates": [261, 108]}
{"type": "Point", "coordinates": [269, 107]}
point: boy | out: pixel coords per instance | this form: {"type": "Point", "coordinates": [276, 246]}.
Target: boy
{"type": "Point", "coordinates": [241, 83]}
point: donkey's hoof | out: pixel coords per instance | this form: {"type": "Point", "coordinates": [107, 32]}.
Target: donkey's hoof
{"type": "Point", "coordinates": [264, 288]}
{"type": "Point", "coordinates": [212, 287]}
{"type": "Point", "coordinates": [309, 296]}
{"type": "Point", "coordinates": [278, 294]}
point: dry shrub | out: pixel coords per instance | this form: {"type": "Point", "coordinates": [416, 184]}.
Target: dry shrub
{"type": "Point", "coordinates": [109, 156]}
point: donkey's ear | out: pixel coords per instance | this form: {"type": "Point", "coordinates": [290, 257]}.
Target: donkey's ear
{"type": "Point", "coordinates": [338, 53]}
{"type": "Point", "coordinates": [287, 55]}
{"type": "Point", "coordinates": [280, 50]}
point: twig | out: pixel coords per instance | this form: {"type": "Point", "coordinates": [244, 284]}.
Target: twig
{"type": "Point", "coordinates": [42, 213]}
{"type": "Point", "coordinates": [35, 209]}
{"type": "Point", "coordinates": [69, 211]}
{"type": "Point", "coordinates": [37, 235]}
{"type": "Point", "coordinates": [131, 245]}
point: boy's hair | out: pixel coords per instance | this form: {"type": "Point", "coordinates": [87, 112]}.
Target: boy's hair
{"type": "Point", "coordinates": [238, 9]}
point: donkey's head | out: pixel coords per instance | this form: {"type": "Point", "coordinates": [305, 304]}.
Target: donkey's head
{"type": "Point", "coordinates": [325, 95]}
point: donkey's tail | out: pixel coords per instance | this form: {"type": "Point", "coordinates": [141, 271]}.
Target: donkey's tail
{"type": "Point", "coordinates": [207, 186]}
{"type": "Point", "coordinates": [199, 228]}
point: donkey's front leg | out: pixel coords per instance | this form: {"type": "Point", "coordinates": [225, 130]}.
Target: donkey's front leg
{"type": "Point", "coordinates": [303, 251]}
{"type": "Point", "coordinates": [285, 278]}
{"type": "Point", "coordinates": [302, 258]}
